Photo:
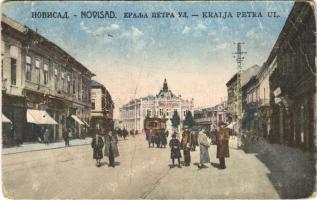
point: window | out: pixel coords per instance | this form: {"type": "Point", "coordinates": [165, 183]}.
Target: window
{"type": "Point", "coordinates": [56, 77]}
{"type": "Point", "coordinates": [13, 71]}
{"type": "Point", "coordinates": [93, 104]}
{"type": "Point", "coordinates": [74, 86]}
{"type": "Point", "coordinates": [63, 81]}
{"type": "Point", "coordinates": [161, 112]}
{"type": "Point", "coordinates": [167, 112]}
{"type": "Point", "coordinates": [37, 71]}
{"type": "Point", "coordinates": [28, 70]}
{"type": "Point", "coordinates": [68, 84]}
{"type": "Point", "coordinates": [45, 74]}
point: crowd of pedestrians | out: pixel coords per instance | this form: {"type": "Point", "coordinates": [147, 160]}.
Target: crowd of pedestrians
{"type": "Point", "coordinates": [190, 140]}
{"type": "Point", "coordinates": [107, 140]}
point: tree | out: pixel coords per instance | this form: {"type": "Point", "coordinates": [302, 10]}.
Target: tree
{"type": "Point", "coordinates": [175, 119]}
{"type": "Point", "coordinates": [189, 120]}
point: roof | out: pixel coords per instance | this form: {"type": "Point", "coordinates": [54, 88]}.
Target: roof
{"type": "Point", "coordinates": [28, 31]}
{"type": "Point", "coordinates": [245, 75]}
{"type": "Point", "coordinates": [298, 9]}
{"type": "Point", "coordinates": [96, 84]}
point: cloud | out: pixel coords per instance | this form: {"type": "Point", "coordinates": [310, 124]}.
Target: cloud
{"type": "Point", "coordinates": [221, 45]}
{"type": "Point", "coordinates": [253, 34]}
{"type": "Point", "coordinates": [103, 33]}
{"type": "Point", "coordinates": [134, 34]}
{"type": "Point", "coordinates": [200, 27]}
{"type": "Point", "coordinates": [102, 30]}
{"type": "Point", "coordinates": [186, 30]}
{"type": "Point", "coordinates": [197, 28]}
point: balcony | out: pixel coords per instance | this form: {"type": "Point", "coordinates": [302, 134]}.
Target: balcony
{"type": "Point", "coordinates": [264, 102]}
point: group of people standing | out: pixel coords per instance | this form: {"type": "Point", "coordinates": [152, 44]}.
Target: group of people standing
{"type": "Point", "coordinates": [158, 138]}
{"type": "Point", "coordinates": [222, 142]}
{"type": "Point", "coordinates": [106, 140]}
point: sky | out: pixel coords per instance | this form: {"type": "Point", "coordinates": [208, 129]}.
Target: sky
{"type": "Point", "coordinates": [131, 57]}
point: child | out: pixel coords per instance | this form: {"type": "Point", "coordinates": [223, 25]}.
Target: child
{"type": "Point", "coordinates": [175, 146]}
{"type": "Point", "coordinates": [97, 144]}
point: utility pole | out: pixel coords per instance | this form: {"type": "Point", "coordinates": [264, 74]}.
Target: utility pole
{"type": "Point", "coordinates": [239, 59]}
{"type": "Point", "coordinates": [238, 55]}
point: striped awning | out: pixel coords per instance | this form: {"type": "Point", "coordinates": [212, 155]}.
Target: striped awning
{"type": "Point", "coordinates": [77, 120]}
{"type": "Point", "coordinates": [39, 117]}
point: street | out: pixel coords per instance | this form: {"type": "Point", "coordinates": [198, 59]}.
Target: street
{"type": "Point", "coordinates": [143, 172]}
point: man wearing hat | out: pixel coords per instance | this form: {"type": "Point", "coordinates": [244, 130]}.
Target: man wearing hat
{"type": "Point", "coordinates": [185, 144]}
{"type": "Point", "coordinates": [175, 150]}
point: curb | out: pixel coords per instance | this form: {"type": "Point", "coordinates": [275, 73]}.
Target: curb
{"type": "Point", "coordinates": [42, 149]}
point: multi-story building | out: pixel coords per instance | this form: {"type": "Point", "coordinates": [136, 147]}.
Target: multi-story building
{"type": "Point", "coordinates": [162, 105]}
{"type": "Point", "coordinates": [42, 85]}
{"type": "Point", "coordinates": [293, 81]}
{"type": "Point", "coordinates": [102, 105]}
{"type": "Point", "coordinates": [211, 116]}
{"type": "Point", "coordinates": [234, 104]}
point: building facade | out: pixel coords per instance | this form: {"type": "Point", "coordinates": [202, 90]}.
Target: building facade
{"type": "Point", "coordinates": [293, 81]}
{"type": "Point", "coordinates": [102, 106]}
{"type": "Point", "coordinates": [234, 104]}
{"type": "Point", "coordinates": [211, 116]}
{"type": "Point", "coordinates": [162, 105]}
{"type": "Point", "coordinates": [37, 76]}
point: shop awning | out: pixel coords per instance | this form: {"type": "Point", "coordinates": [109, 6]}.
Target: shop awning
{"type": "Point", "coordinates": [77, 120]}
{"type": "Point", "coordinates": [86, 123]}
{"type": "Point", "coordinates": [39, 117]}
{"type": "Point", "coordinates": [5, 119]}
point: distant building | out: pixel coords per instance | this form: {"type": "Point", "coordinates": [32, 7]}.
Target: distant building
{"type": "Point", "coordinates": [162, 105]}
{"type": "Point", "coordinates": [42, 86]}
{"type": "Point", "coordinates": [101, 105]}
{"type": "Point", "coordinates": [211, 116]}
{"type": "Point", "coordinates": [234, 105]}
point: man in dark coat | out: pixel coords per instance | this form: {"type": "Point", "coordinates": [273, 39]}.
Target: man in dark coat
{"type": "Point", "coordinates": [185, 144]}
{"type": "Point", "coordinates": [97, 145]}
{"type": "Point", "coordinates": [175, 150]}
{"type": "Point", "coordinates": [222, 145]}
{"type": "Point", "coordinates": [111, 148]}
{"type": "Point", "coordinates": [65, 136]}
{"type": "Point", "coordinates": [164, 135]}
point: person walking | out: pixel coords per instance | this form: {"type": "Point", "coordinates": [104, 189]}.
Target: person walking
{"type": "Point", "coordinates": [194, 142]}
{"type": "Point", "coordinates": [97, 145]}
{"type": "Point", "coordinates": [65, 136]}
{"type": "Point", "coordinates": [175, 150]}
{"type": "Point", "coordinates": [203, 147]}
{"type": "Point", "coordinates": [164, 135]}
{"type": "Point", "coordinates": [185, 144]}
{"type": "Point", "coordinates": [151, 138]}
{"type": "Point", "coordinates": [46, 136]}
{"type": "Point", "coordinates": [222, 145]}
{"type": "Point", "coordinates": [111, 148]}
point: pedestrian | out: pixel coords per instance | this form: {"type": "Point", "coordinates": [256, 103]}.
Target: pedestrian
{"type": "Point", "coordinates": [222, 145]}
{"type": "Point", "coordinates": [175, 150]}
{"type": "Point", "coordinates": [194, 138]}
{"type": "Point", "coordinates": [203, 147]}
{"type": "Point", "coordinates": [65, 136]}
{"type": "Point", "coordinates": [46, 136]}
{"type": "Point", "coordinates": [185, 144]}
{"type": "Point", "coordinates": [97, 145]}
{"type": "Point", "coordinates": [111, 148]}
{"type": "Point", "coordinates": [151, 138]}
{"type": "Point", "coordinates": [164, 135]}
{"type": "Point", "coordinates": [124, 133]}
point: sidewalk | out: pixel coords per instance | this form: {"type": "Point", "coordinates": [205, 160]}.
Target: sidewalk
{"type": "Point", "coordinates": [291, 170]}
{"type": "Point", "coordinates": [26, 147]}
